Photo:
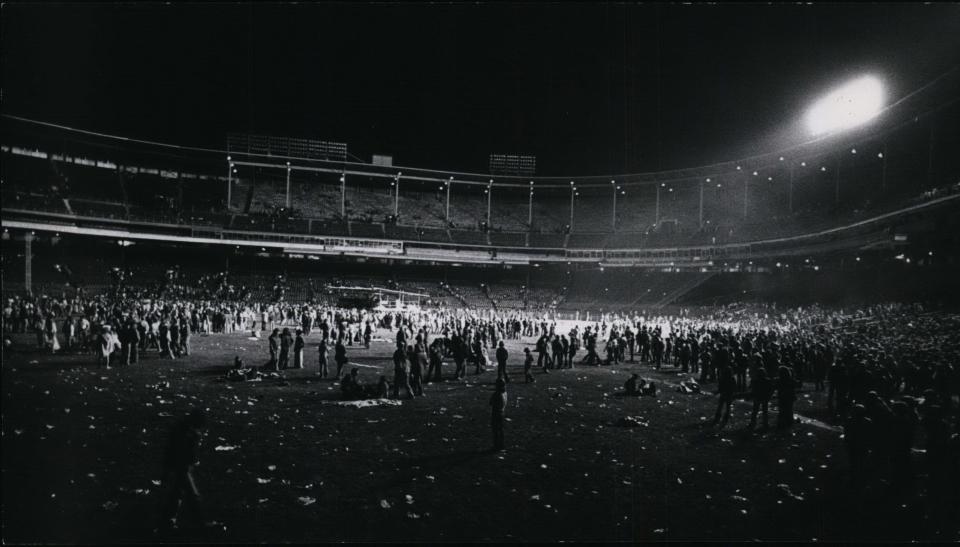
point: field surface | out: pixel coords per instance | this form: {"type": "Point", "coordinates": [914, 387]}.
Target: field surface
{"type": "Point", "coordinates": [82, 450]}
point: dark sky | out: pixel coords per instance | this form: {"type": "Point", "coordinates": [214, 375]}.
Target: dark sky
{"type": "Point", "coordinates": [588, 88]}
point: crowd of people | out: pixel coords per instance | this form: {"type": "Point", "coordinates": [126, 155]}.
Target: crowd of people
{"type": "Point", "coordinates": [887, 372]}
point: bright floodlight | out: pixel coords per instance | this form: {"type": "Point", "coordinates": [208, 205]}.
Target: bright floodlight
{"type": "Point", "coordinates": [855, 103]}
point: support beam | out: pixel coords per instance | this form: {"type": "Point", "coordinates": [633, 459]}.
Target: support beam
{"type": "Point", "coordinates": [449, 184]}
{"type": "Point", "coordinates": [343, 196]}
{"type": "Point", "coordinates": [656, 217]}
{"type": "Point", "coordinates": [28, 262]}
{"type": "Point", "coordinates": [396, 197]}
{"type": "Point", "coordinates": [573, 190]}
{"type": "Point", "coordinates": [701, 205]}
{"type": "Point", "coordinates": [288, 186]}
{"type": "Point", "coordinates": [229, 184]}
{"type": "Point", "coordinates": [489, 198]}
{"type": "Point", "coordinates": [530, 210]}
{"type": "Point", "coordinates": [613, 215]}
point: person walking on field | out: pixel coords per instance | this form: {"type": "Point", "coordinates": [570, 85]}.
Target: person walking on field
{"type": "Point", "coordinates": [182, 455]}
{"type": "Point", "coordinates": [727, 391]}
{"type": "Point", "coordinates": [498, 405]}
{"type": "Point", "coordinates": [502, 356]}
{"type": "Point", "coordinates": [285, 342]}
{"type": "Point", "coordinates": [786, 395]}
{"type": "Point", "coordinates": [274, 343]}
{"type": "Point", "coordinates": [340, 356]}
{"type": "Point", "coordinates": [527, 365]}
{"type": "Point", "coordinates": [401, 374]}
{"type": "Point", "coordinates": [322, 351]}
{"type": "Point", "coordinates": [760, 391]}
{"type": "Point", "coordinates": [298, 350]}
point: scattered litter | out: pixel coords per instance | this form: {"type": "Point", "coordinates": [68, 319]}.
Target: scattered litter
{"type": "Point", "coordinates": [306, 500]}
{"type": "Point", "coordinates": [786, 491]}
{"type": "Point", "coordinates": [632, 421]}
{"type": "Point", "coordinates": [364, 403]}
{"type": "Point", "coordinates": [224, 448]}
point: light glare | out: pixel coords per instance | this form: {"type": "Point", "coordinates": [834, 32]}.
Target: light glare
{"type": "Point", "coordinates": [853, 104]}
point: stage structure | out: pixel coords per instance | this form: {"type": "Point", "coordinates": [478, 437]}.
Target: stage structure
{"type": "Point", "coordinates": [379, 298]}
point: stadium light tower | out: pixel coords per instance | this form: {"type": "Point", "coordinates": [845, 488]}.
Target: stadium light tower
{"type": "Point", "coordinates": [847, 106]}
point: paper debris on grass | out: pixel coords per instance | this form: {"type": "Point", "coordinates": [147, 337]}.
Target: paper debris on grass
{"type": "Point", "coordinates": [306, 500]}
{"type": "Point", "coordinates": [785, 490]}
{"type": "Point", "coordinates": [364, 403]}
{"type": "Point", "coordinates": [224, 448]}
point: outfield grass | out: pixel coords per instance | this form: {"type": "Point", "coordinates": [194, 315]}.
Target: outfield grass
{"type": "Point", "coordinates": [82, 450]}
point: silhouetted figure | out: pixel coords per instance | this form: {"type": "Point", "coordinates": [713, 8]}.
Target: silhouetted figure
{"type": "Point", "coordinates": [502, 356]}
{"type": "Point", "coordinates": [498, 405]}
{"type": "Point", "coordinates": [180, 458]}
{"type": "Point", "coordinates": [727, 389]}
{"type": "Point", "coordinates": [786, 395]}
{"type": "Point", "coordinates": [761, 390]}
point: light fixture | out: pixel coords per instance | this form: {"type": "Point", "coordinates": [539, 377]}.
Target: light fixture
{"type": "Point", "coordinates": [850, 105]}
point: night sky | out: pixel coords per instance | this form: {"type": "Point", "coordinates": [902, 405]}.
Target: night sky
{"type": "Point", "coordinates": [588, 89]}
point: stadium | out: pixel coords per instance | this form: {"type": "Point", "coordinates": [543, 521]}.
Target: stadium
{"type": "Point", "coordinates": [252, 301]}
